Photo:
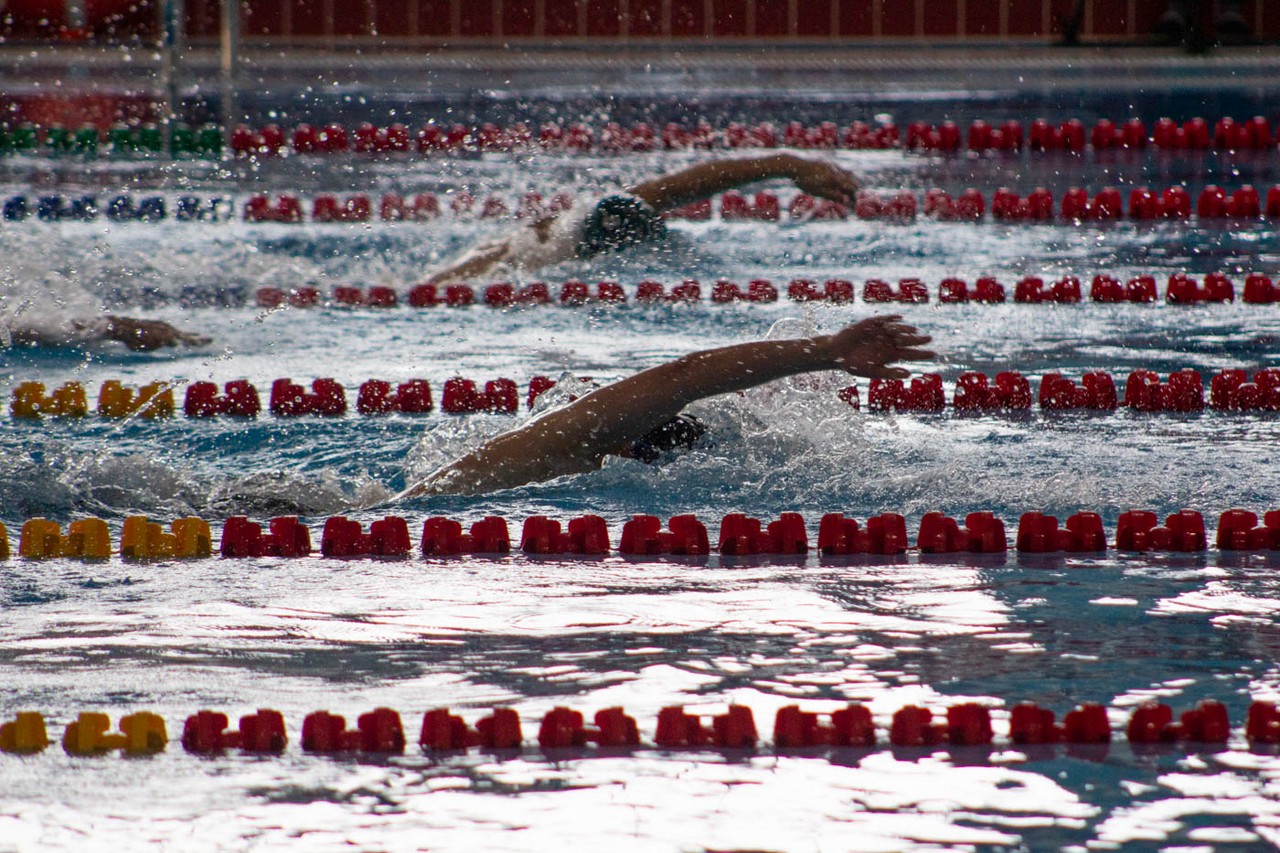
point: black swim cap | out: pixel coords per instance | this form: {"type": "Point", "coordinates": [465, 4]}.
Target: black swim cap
{"type": "Point", "coordinates": [681, 432]}
{"type": "Point", "coordinates": [617, 222]}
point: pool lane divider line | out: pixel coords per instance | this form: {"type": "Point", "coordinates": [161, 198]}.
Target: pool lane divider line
{"type": "Point", "coordinates": [1007, 137]}
{"type": "Point", "coordinates": [1181, 289]}
{"type": "Point", "coordinates": [1238, 208]}
{"type": "Point", "coordinates": [643, 536]}
{"type": "Point", "coordinates": [1183, 391]}
{"type": "Point", "coordinates": [381, 731]}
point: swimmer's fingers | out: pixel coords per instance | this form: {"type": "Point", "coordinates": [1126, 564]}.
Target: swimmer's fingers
{"type": "Point", "coordinates": [191, 339]}
{"type": "Point", "coordinates": [907, 339]}
{"type": "Point", "coordinates": [914, 355]}
{"type": "Point", "coordinates": [886, 373]}
{"type": "Point", "coordinates": [868, 348]}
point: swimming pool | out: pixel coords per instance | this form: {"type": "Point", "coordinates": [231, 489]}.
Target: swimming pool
{"type": "Point", "coordinates": [534, 633]}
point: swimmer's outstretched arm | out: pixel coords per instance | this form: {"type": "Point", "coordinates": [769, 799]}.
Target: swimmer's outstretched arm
{"type": "Point", "coordinates": [577, 437]}
{"type": "Point", "coordinates": [703, 180]}
{"type": "Point", "coordinates": [147, 334]}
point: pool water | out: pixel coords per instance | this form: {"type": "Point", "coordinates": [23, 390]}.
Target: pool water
{"type": "Point", "coordinates": [534, 633]}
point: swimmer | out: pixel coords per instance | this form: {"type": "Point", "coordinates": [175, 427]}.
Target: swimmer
{"type": "Point", "coordinates": [640, 416]}
{"type": "Point", "coordinates": [139, 335]}
{"type": "Point", "coordinates": [635, 215]}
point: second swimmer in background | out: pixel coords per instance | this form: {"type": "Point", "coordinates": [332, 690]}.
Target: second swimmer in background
{"type": "Point", "coordinates": [634, 216]}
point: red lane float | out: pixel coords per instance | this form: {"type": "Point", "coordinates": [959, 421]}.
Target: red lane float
{"type": "Point", "coordinates": [1138, 530]}
{"type": "Point", "coordinates": [1183, 392]}
{"type": "Point", "coordinates": [837, 290]}
{"type": "Point", "coordinates": [379, 731]}
{"type": "Point", "coordinates": [462, 396]}
{"type": "Point", "coordinates": [850, 726]}
{"type": "Point", "coordinates": [326, 397]}
{"type": "Point", "coordinates": [742, 535]}
{"type": "Point", "coordinates": [444, 732]}
{"type": "Point", "coordinates": [1066, 136]}
{"type": "Point", "coordinates": [1031, 725]}
{"type": "Point", "coordinates": [1105, 205]}
{"type": "Point", "coordinates": [387, 537]}
{"type": "Point", "coordinates": [758, 290]}
{"type": "Point", "coordinates": [587, 535]}
{"type": "Point", "coordinates": [982, 533]}
{"type": "Point", "coordinates": [985, 289]}
{"type": "Point", "coordinates": [564, 728]}
{"type": "Point", "coordinates": [898, 207]}
{"type": "Point", "coordinates": [240, 400]}
{"type": "Point", "coordinates": [969, 207]}
{"type": "Point", "coordinates": [1032, 290]}
{"type": "Point", "coordinates": [443, 537]}
{"type": "Point", "coordinates": [891, 395]}
{"type": "Point", "coordinates": [1172, 203]}
{"type": "Point", "coordinates": [206, 733]}
{"type": "Point", "coordinates": [967, 724]}
{"type": "Point", "coordinates": [910, 290]}
{"type": "Point", "coordinates": [1104, 288]}
{"type": "Point", "coordinates": [734, 729]}
{"type": "Point", "coordinates": [1231, 390]}
{"type": "Point", "coordinates": [685, 536]}
{"type": "Point", "coordinates": [764, 207]}
{"type": "Point", "coordinates": [1038, 533]}
{"type": "Point", "coordinates": [412, 397]}
{"type": "Point", "coordinates": [1008, 206]}
{"type": "Point", "coordinates": [1238, 531]}
{"type": "Point", "coordinates": [1152, 723]}
{"type": "Point", "coordinates": [974, 393]}
{"type": "Point", "coordinates": [885, 534]}
{"type": "Point", "coordinates": [288, 537]}
{"type": "Point", "coordinates": [1184, 290]}
{"type": "Point", "coordinates": [1096, 391]}
{"type": "Point", "coordinates": [298, 297]}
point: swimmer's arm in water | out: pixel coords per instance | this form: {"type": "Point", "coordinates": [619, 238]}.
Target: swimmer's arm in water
{"type": "Point", "coordinates": [576, 438]}
{"type": "Point", "coordinates": [703, 180]}
{"type": "Point", "coordinates": [133, 333]}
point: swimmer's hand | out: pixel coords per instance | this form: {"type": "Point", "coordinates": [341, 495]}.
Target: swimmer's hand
{"type": "Point", "coordinates": [148, 334]}
{"type": "Point", "coordinates": [825, 179]}
{"type": "Point", "coordinates": [472, 264]}
{"type": "Point", "coordinates": [869, 347]}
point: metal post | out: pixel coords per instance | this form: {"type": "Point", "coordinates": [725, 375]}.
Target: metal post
{"type": "Point", "coordinates": [230, 58]}
{"type": "Point", "coordinates": [173, 44]}
{"type": "Point", "coordinates": [75, 15]}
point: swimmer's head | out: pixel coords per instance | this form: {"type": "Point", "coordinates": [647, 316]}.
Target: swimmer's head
{"type": "Point", "coordinates": [617, 222]}
{"type": "Point", "coordinates": [679, 433]}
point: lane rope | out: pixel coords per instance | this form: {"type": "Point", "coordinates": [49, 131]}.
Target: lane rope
{"type": "Point", "coordinates": [1181, 391]}
{"type": "Point", "coordinates": [1071, 136]}
{"type": "Point", "coordinates": [1246, 205]}
{"type": "Point", "coordinates": [381, 731]}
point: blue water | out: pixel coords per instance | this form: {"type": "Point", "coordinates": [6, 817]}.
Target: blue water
{"type": "Point", "coordinates": [472, 633]}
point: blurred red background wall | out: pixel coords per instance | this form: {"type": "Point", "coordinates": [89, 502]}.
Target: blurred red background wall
{"type": "Point", "coordinates": [436, 21]}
